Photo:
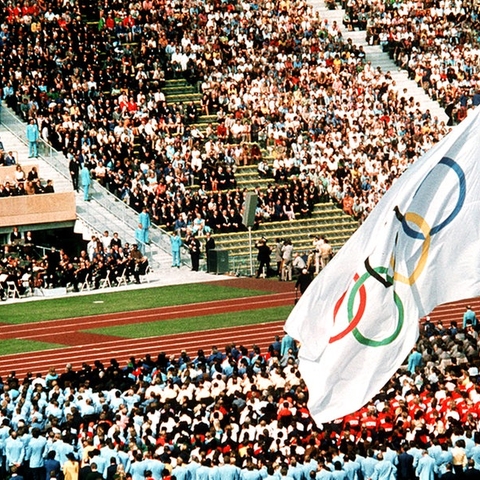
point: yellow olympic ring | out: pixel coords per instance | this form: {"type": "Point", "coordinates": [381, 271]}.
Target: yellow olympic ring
{"type": "Point", "coordinates": [425, 229]}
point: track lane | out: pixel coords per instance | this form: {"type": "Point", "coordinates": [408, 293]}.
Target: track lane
{"type": "Point", "coordinates": [262, 335]}
{"type": "Point", "coordinates": [72, 325]}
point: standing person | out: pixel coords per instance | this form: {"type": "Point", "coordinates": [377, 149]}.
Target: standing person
{"type": "Point", "coordinates": [459, 457]}
{"type": "Point", "coordinates": [74, 168]}
{"type": "Point", "coordinates": [303, 281]}
{"type": "Point", "coordinates": [405, 468]}
{"type": "Point", "coordinates": [317, 243]}
{"type": "Point", "coordinates": [415, 360]}
{"type": "Point", "coordinates": [383, 469]}
{"type": "Point", "coordinates": [139, 238]}
{"type": "Point", "coordinates": [471, 472]}
{"type": "Point", "coordinates": [326, 252]}
{"type": "Point", "coordinates": [287, 259]}
{"type": "Point", "coordinates": [278, 256]}
{"type": "Point", "coordinates": [176, 244]}
{"type": "Point", "coordinates": [194, 248]}
{"type": "Point", "coordinates": [15, 236]}
{"type": "Point", "coordinates": [86, 182]}
{"type": "Point", "coordinates": [426, 467]}
{"type": "Point", "coordinates": [209, 246]}
{"type": "Point", "coordinates": [70, 468]}
{"type": "Point", "coordinates": [37, 447]}
{"type": "Point", "coordinates": [33, 135]}
{"type": "Point", "coordinates": [263, 257]}
{"type": "Point", "coordinates": [14, 450]}
{"type": "Point", "coordinates": [144, 220]}
{"type": "Point", "coordinates": [469, 317]}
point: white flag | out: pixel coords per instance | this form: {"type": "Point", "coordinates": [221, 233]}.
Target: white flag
{"type": "Point", "coordinates": [419, 247]}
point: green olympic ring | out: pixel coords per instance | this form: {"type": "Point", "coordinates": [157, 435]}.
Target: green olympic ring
{"type": "Point", "coordinates": [369, 342]}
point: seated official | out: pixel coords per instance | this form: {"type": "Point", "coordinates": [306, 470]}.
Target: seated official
{"type": "Point", "coordinates": [138, 263]}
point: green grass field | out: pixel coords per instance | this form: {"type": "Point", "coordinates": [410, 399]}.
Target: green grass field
{"type": "Point", "coordinates": [19, 345]}
{"type": "Point", "coordinates": [97, 304]}
{"type": "Point", "coordinates": [128, 300]}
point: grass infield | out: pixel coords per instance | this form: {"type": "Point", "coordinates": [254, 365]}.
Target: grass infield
{"type": "Point", "coordinates": [104, 303]}
{"type": "Point", "coordinates": [15, 345]}
{"type": "Point", "coordinates": [196, 324]}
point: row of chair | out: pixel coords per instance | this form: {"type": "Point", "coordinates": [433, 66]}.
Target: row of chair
{"type": "Point", "coordinates": [11, 289]}
{"type": "Point", "coordinates": [88, 283]}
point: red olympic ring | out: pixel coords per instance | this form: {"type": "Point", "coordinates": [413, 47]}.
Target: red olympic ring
{"type": "Point", "coordinates": [358, 315]}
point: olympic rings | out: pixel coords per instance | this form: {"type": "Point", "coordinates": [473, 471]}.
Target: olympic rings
{"type": "Point", "coordinates": [353, 320]}
{"type": "Point", "coordinates": [424, 233]}
{"type": "Point", "coordinates": [356, 318]}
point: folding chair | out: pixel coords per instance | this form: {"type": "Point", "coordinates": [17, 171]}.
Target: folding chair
{"type": "Point", "coordinates": [12, 290]}
{"type": "Point", "coordinates": [144, 276]}
{"type": "Point", "coordinates": [122, 280]}
{"type": "Point", "coordinates": [105, 282]}
{"type": "Point", "coordinates": [26, 284]}
{"type": "Point", "coordinates": [86, 283]}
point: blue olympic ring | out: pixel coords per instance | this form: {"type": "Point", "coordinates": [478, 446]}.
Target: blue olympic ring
{"type": "Point", "coordinates": [461, 199]}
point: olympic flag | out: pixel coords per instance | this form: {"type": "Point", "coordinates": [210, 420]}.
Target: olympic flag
{"type": "Point", "coordinates": [418, 248]}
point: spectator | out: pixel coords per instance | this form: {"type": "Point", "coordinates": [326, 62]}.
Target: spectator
{"type": "Point", "coordinates": [303, 281]}
{"type": "Point", "coordinates": [263, 257]}
{"type": "Point", "coordinates": [176, 245]}
{"type": "Point", "coordinates": [33, 136]}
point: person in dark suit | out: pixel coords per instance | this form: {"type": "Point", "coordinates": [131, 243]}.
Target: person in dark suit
{"type": "Point", "coordinates": [194, 248]}
{"type": "Point", "coordinates": [15, 475]}
{"type": "Point", "coordinates": [471, 473]}
{"type": "Point", "coordinates": [303, 281]}
{"type": "Point", "coordinates": [449, 475]}
{"type": "Point", "coordinates": [263, 257]}
{"type": "Point", "coordinates": [112, 469]}
{"type": "Point", "coordinates": [405, 470]}
{"type": "Point", "coordinates": [209, 246]}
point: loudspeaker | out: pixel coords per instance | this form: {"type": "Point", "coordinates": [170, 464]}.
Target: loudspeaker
{"type": "Point", "coordinates": [248, 217]}
{"type": "Point", "coordinates": [218, 261]}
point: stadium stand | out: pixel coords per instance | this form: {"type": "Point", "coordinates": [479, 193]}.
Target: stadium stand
{"type": "Point", "coordinates": [279, 76]}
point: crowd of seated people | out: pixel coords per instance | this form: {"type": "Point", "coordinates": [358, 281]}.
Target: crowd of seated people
{"type": "Point", "coordinates": [304, 93]}
{"type": "Point", "coordinates": [24, 183]}
{"type": "Point", "coordinates": [7, 159]}
{"type": "Point", "coordinates": [436, 42]}
{"type": "Point", "coordinates": [104, 260]}
{"type": "Point", "coordinates": [242, 411]}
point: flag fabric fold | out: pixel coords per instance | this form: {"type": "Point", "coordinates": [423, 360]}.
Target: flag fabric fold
{"type": "Point", "coordinates": [418, 248]}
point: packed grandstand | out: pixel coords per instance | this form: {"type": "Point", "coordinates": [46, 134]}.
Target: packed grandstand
{"type": "Point", "coordinates": [274, 77]}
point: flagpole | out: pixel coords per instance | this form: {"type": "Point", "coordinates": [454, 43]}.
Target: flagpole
{"type": "Point", "coordinates": [250, 249]}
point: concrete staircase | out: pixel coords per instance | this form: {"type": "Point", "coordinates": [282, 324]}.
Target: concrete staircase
{"type": "Point", "coordinates": [103, 212]}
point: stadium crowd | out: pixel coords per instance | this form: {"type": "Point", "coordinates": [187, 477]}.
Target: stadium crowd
{"type": "Point", "coordinates": [436, 41]}
{"type": "Point", "coordinates": [287, 82]}
{"type": "Point", "coordinates": [106, 261]}
{"type": "Point", "coordinates": [21, 182]}
{"type": "Point", "coordinates": [278, 75]}
{"type": "Point", "coordinates": [242, 413]}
